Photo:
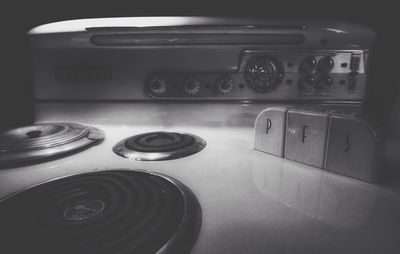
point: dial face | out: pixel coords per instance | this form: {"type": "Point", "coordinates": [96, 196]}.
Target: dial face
{"type": "Point", "coordinates": [225, 85]}
{"type": "Point", "coordinates": [158, 86]}
{"type": "Point", "coordinates": [264, 73]}
{"type": "Point", "coordinates": [191, 86]}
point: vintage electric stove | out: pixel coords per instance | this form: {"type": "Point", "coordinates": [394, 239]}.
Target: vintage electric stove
{"type": "Point", "coordinates": [144, 134]}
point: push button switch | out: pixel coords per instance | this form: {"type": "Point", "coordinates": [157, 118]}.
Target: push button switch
{"type": "Point", "coordinates": [306, 134]}
{"type": "Point", "coordinates": [355, 62]}
{"type": "Point", "coordinates": [354, 147]}
{"type": "Point", "coordinates": [270, 130]}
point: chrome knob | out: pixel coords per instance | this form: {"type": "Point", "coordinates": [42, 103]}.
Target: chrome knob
{"type": "Point", "coordinates": [325, 64]}
{"type": "Point", "coordinates": [225, 85]}
{"type": "Point", "coordinates": [307, 65]}
{"type": "Point", "coordinates": [324, 82]}
{"type": "Point", "coordinates": [191, 86]}
{"type": "Point", "coordinates": [158, 86]}
{"type": "Point", "coordinates": [306, 82]}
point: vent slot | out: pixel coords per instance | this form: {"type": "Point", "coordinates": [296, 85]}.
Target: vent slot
{"type": "Point", "coordinates": [196, 39]}
{"type": "Point", "coordinates": [197, 35]}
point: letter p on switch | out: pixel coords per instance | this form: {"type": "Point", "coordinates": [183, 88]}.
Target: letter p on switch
{"type": "Point", "coordinates": [269, 136]}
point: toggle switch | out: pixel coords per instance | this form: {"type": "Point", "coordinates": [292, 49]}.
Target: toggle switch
{"type": "Point", "coordinates": [306, 132]}
{"type": "Point", "coordinates": [270, 130]}
{"type": "Point", "coordinates": [354, 146]}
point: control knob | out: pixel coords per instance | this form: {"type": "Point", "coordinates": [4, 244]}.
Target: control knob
{"type": "Point", "coordinates": [158, 86]}
{"type": "Point", "coordinates": [307, 65]}
{"type": "Point", "coordinates": [306, 82]}
{"type": "Point", "coordinates": [225, 85]}
{"type": "Point", "coordinates": [325, 64]}
{"type": "Point", "coordinates": [324, 82]}
{"type": "Point", "coordinates": [191, 86]}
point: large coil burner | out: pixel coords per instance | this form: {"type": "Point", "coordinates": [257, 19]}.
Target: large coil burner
{"type": "Point", "coordinates": [44, 140]}
{"type": "Point", "coordinates": [114, 211]}
{"type": "Point", "coordinates": [156, 146]}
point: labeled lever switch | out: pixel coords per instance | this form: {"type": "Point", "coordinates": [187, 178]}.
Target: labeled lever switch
{"type": "Point", "coordinates": [355, 146]}
{"type": "Point", "coordinates": [306, 132]}
{"type": "Point", "coordinates": [344, 143]}
{"type": "Point", "coordinates": [270, 130]}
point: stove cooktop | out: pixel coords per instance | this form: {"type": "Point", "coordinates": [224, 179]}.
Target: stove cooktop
{"type": "Point", "coordinates": [250, 201]}
{"type": "Point", "coordinates": [102, 212]}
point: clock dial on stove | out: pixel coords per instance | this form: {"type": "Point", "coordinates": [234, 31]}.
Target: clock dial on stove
{"type": "Point", "coordinates": [263, 73]}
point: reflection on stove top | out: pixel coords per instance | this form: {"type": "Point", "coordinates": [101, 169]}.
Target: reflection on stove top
{"type": "Point", "coordinates": [333, 199]}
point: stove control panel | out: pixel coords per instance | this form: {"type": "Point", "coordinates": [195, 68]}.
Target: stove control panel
{"type": "Point", "coordinates": [201, 58]}
{"type": "Point", "coordinates": [305, 75]}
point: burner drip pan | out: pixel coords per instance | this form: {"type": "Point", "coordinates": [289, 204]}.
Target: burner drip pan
{"type": "Point", "coordinates": [44, 140]}
{"type": "Point", "coordinates": [113, 211]}
{"type": "Point", "coordinates": [156, 146]}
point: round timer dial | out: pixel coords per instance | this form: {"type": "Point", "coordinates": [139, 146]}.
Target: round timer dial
{"type": "Point", "coordinates": [264, 73]}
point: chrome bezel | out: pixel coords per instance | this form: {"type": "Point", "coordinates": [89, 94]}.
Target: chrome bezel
{"type": "Point", "coordinates": [18, 158]}
{"type": "Point", "coordinates": [121, 150]}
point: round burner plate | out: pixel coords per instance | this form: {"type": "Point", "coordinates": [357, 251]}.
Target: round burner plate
{"type": "Point", "coordinates": [39, 141]}
{"type": "Point", "coordinates": [156, 146]}
{"type": "Point", "coordinates": [113, 211]}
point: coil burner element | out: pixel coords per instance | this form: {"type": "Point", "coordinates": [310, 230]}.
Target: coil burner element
{"type": "Point", "coordinates": [115, 211]}
{"type": "Point", "coordinates": [155, 146]}
{"type": "Point", "coordinates": [44, 140]}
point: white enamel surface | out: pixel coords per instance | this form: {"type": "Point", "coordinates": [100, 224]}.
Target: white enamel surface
{"type": "Point", "coordinates": [80, 25]}
{"type": "Point", "coordinates": [252, 202]}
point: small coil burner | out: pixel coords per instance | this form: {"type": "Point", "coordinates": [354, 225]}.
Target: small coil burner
{"type": "Point", "coordinates": [39, 141]}
{"type": "Point", "coordinates": [115, 211]}
{"type": "Point", "coordinates": [156, 146]}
